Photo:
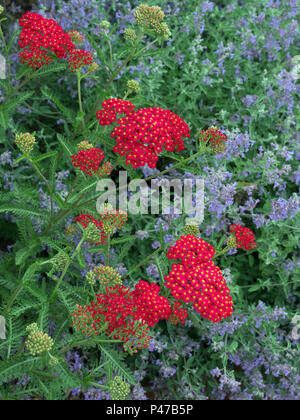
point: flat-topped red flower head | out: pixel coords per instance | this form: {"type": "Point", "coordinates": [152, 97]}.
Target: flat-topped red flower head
{"type": "Point", "coordinates": [142, 135]}
{"type": "Point", "coordinates": [41, 39]}
{"type": "Point", "coordinates": [88, 161]}
{"type": "Point", "coordinates": [244, 237]}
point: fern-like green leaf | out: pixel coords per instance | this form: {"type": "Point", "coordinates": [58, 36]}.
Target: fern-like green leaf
{"type": "Point", "coordinates": [49, 94]}
{"type": "Point", "coordinates": [18, 100]}
{"type": "Point", "coordinates": [19, 210]}
{"type": "Point", "coordinates": [117, 364]}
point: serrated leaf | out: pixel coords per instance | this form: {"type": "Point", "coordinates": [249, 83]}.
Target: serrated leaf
{"type": "Point", "coordinates": [49, 94]}
{"type": "Point", "coordinates": [65, 144]}
{"type": "Point", "coordinates": [18, 100]}
{"type": "Point", "coordinates": [81, 260]}
{"type": "Point", "coordinates": [50, 68]}
{"type": "Point", "coordinates": [44, 156]}
{"type": "Point", "coordinates": [19, 159]}
{"type": "Point", "coordinates": [118, 365]}
{"type": "Point", "coordinates": [3, 120]}
{"type": "Point", "coordinates": [19, 210]}
{"type": "Point", "coordinates": [122, 240]}
{"type": "Point", "coordinates": [24, 253]}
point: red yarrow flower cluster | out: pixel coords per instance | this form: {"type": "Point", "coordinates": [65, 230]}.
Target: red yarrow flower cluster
{"type": "Point", "coordinates": [41, 39]}
{"type": "Point", "coordinates": [113, 313]}
{"type": "Point", "coordinates": [105, 169]}
{"type": "Point", "coordinates": [214, 138]}
{"type": "Point", "coordinates": [191, 250]}
{"type": "Point", "coordinates": [178, 314]}
{"type": "Point", "coordinates": [142, 135]}
{"type": "Point", "coordinates": [123, 314]}
{"type": "Point", "coordinates": [79, 58]}
{"type": "Point", "coordinates": [151, 307]}
{"type": "Point", "coordinates": [112, 107]}
{"type": "Point", "coordinates": [88, 161]}
{"type": "Point", "coordinates": [197, 279]}
{"type": "Point", "coordinates": [86, 219]}
{"type": "Point", "coordinates": [244, 237]}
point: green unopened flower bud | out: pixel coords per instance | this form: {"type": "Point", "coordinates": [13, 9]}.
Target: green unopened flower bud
{"type": "Point", "coordinates": [107, 276]}
{"type": "Point", "coordinates": [162, 30]}
{"type": "Point", "coordinates": [90, 278]}
{"type": "Point", "coordinates": [84, 145]}
{"type": "Point", "coordinates": [60, 261]}
{"type": "Point", "coordinates": [129, 34]}
{"type": "Point", "coordinates": [191, 229]}
{"type": "Point", "coordinates": [53, 360]}
{"type": "Point", "coordinates": [37, 341]}
{"type": "Point", "coordinates": [231, 242]}
{"type": "Point", "coordinates": [133, 86]}
{"type": "Point", "coordinates": [1, 9]}
{"type": "Point", "coordinates": [104, 24]}
{"type": "Point", "coordinates": [92, 233]}
{"type": "Point", "coordinates": [25, 142]}
{"type": "Point", "coordinates": [32, 327]}
{"type": "Point", "coordinates": [118, 389]}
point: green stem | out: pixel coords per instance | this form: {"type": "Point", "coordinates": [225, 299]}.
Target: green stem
{"type": "Point", "coordinates": [35, 166]}
{"type": "Point", "coordinates": [110, 51]}
{"type": "Point", "coordinates": [12, 299]}
{"type": "Point", "coordinates": [146, 259]}
{"type": "Point", "coordinates": [177, 165]}
{"type": "Point", "coordinates": [54, 293]}
{"type": "Point", "coordinates": [72, 188]}
{"type": "Point", "coordinates": [108, 249]}
{"type": "Point", "coordinates": [79, 96]}
{"type": "Point", "coordinates": [114, 75]}
{"type": "Point", "coordinates": [79, 90]}
{"type": "Point", "coordinates": [222, 252]}
{"type": "Point", "coordinates": [146, 47]}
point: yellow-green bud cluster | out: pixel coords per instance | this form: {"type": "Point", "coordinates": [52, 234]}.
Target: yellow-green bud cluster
{"type": "Point", "coordinates": [129, 34]}
{"type": "Point", "coordinates": [53, 360]}
{"type": "Point", "coordinates": [163, 30]}
{"type": "Point", "coordinates": [133, 86]}
{"type": "Point", "coordinates": [25, 142]}
{"type": "Point", "coordinates": [1, 9]}
{"type": "Point", "coordinates": [118, 389]}
{"type": "Point", "coordinates": [37, 341]}
{"type": "Point", "coordinates": [90, 278]}
{"type": "Point", "coordinates": [60, 261]}
{"type": "Point", "coordinates": [92, 233]}
{"type": "Point", "coordinates": [231, 242]}
{"type": "Point", "coordinates": [107, 276]}
{"type": "Point", "coordinates": [104, 24]}
{"type": "Point", "coordinates": [84, 145]}
{"type": "Point", "coordinates": [93, 67]}
{"type": "Point", "coordinates": [191, 229]}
